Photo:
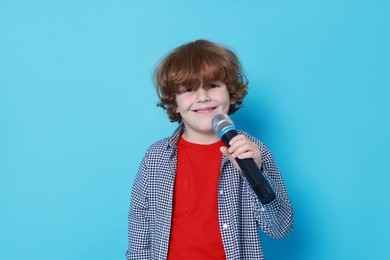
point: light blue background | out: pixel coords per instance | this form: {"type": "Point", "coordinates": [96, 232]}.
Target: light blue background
{"type": "Point", "coordinates": [78, 110]}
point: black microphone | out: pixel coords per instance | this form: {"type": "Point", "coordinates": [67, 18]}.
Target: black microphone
{"type": "Point", "coordinates": [224, 127]}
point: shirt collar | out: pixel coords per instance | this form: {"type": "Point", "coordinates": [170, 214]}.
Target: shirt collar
{"type": "Point", "coordinates": [174, 138]}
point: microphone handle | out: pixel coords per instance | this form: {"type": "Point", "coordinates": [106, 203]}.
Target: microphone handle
{"type": "Point", "coordinates": [252, 173]}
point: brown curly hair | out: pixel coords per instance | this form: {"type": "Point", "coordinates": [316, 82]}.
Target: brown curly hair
{"type": "Point", "coordinates": [198, 64]}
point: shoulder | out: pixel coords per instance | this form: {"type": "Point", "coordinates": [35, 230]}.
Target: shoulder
{"type": "Point", "coordinates": [158, 147]}
{"type": "Point", "coordinates": [156, 156]}
{"type": "Point", "coordinates": [167, 144]}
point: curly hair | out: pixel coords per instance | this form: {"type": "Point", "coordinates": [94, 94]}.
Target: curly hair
{"type": "Point", "coordinates": [197, 64]}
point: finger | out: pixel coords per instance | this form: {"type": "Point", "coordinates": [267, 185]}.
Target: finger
{"type": "Point", "coordinates": [238, 143]}
{"type": "Point", "coordinates": [242, 146]}
{"type": "Point", "coordinates": [246, 155]}
{"type": "Point", "coordinates": [237, 138]}
{"type": "Point", "coordinates": [224, 151]}
{"type": "Point", "coordinates": [255, 155]}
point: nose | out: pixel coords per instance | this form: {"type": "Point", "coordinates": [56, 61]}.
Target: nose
{"type": "Point", "coordinates": [202, 95]}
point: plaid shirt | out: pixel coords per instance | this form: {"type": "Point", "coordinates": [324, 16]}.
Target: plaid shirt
{"type": "Point", "coordinates": [239, 210]}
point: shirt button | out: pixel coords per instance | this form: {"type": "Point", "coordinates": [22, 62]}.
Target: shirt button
{"type": "Point", "coordinates": [225, 226]}
{"type": "Point", "coordinates": [221, 192]}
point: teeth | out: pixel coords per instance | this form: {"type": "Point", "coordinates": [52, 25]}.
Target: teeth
{"type": "Point", "coordinates": [204, 110]}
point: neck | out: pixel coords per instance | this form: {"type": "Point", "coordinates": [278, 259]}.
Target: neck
{"type": "Point", "coordinates": [200, 138]}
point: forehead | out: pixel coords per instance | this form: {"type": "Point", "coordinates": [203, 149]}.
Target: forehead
{"type": "Point", "coordinates": [201, 85]}
{"type": "Point", "coordinates": [196, 74]}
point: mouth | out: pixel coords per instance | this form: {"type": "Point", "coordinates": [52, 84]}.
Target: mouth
{"type": "Point", "coordinates": [205, 110]}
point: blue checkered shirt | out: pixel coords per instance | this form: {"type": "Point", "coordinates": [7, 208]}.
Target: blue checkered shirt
{"type": "Point", "coordinates": [239, 210]}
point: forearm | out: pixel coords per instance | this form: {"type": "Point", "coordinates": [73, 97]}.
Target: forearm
{"type": "Point", "coordinates": [138, 236]}
{"type": "Point", "coordinates": [275, 218]}
{"type": "Point", "coordinates": [138, 218]}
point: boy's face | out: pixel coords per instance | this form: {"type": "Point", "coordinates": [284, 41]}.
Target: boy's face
{"type": "Point", "coordinates": [197, 108]}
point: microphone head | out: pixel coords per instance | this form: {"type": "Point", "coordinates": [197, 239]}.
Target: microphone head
{"type": "Point", "coordinates": [221, 123]}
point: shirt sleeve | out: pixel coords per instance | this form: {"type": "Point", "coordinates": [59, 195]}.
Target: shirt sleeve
{"type": "Point", "coordinates": [275, 218]}
{"type": "Point", "coordinates": [139, 229]}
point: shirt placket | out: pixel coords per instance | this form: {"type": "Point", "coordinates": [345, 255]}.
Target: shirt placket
{"type": "Point", "coordinates": [226, 219]}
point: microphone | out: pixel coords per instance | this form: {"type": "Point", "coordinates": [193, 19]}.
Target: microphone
{"type": "Point", "coordinates": [224, 127]}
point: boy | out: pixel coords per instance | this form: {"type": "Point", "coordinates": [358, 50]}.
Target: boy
{"type": "Point", "coordinates": [189, 200]}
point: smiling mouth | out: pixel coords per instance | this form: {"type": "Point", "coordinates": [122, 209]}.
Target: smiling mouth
{"type": "Point", "coordinates": [204, 110]}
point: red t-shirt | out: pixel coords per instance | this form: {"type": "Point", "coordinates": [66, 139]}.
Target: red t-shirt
{"type": "Point", "coordinates": [195, 232]}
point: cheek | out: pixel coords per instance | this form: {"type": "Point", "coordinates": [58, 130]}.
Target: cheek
{"type": "Point", "coordinates": [183, 104]}
{"type": "Point", "coordinates": [175, 105]}
{"type": "Point", "coordinates": [229, 100]}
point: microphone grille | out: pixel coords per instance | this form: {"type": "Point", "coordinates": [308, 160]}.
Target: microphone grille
{"type": "Point", "coordinates": [220, 121]}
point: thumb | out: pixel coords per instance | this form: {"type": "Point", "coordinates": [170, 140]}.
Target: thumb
{"type": "Point", "coordinates": [225, 152]}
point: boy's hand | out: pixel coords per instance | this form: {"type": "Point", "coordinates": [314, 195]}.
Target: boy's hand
{"type": "Point", "coordinates": [242, 148]}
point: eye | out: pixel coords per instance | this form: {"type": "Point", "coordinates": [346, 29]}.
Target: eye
{"type": "Point", "coordinates": [187, 89]}
{"type": "Point", "coordinates": [213, 85]}
{"type": "Point", "coordinates": [184, 89]}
